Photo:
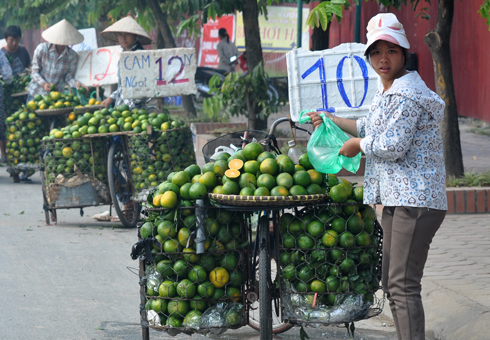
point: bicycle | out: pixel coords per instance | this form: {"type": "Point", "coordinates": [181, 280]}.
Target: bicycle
{"type": "Point", "coordinates": [264, 277]}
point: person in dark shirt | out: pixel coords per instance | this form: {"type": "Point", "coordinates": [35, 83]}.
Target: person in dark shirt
{"type": "Point", "coordinates": [18, 53]}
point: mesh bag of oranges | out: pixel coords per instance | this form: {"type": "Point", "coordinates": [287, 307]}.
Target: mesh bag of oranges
{"type": "Point", "coordinates": [189, 292]}
{"type": "Point", "coordinates": [72, 162]}
{"type": "Point", "coordinates": [24, 130]}
{"type": "Point", "coordinates": [154, 156]}
{"type": "Point", "coordinates": [330, 258]}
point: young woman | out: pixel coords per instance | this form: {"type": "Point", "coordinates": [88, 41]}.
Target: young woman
{"type": "Point", "coordinates": [226, 50]}
{"type": "Point", "coordinates": [404, 169]}
{"type": "Point", "coordinates": [131, 37]}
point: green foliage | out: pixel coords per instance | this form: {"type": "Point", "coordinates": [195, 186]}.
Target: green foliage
{"type": "Point", "coordinates": [470, 179]}
{"type": "Point", "coordinates": [324, 12]}
{"type": "Point", "coordinates": [239, 93]}
{"type": "Point", "coordinates": [194, 13]}
{"type": "Point", "coordinates": [40, 13]}
{"type": "Point", "coordinates": [485, 12]}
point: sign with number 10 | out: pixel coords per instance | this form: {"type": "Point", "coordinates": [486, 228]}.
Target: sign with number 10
{"type": "Point", "coordinates": [158, 73]}
{"type": "Point", "coordinates": [337, 80]}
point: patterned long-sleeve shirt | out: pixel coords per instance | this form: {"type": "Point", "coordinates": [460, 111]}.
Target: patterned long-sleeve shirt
{"type": "Point", "coordinates": [50, 67]}
{"type": "Point", "coordinates": [403, 146]}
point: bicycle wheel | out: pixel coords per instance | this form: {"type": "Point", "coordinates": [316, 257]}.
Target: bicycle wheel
{"type": "Point", "coordinates": [254, 314]}
{"type": "Point", "coordinates": [120, 186]}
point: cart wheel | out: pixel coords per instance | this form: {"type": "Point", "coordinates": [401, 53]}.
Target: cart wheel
{"type": "Point", "coordinates": [255, 315]}
{"type": "Point", "coordinates": [120, 187]}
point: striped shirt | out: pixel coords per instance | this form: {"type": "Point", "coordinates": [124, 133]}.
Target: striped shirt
{"type": "Point", "coordinates": [50, 67]}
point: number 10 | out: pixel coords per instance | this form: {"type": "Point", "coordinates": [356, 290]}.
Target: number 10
{"type": "Point", "coordinates": [340, 82]}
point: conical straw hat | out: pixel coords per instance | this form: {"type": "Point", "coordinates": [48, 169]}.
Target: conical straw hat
{"type": "Point", "coordinates": [62, 33]}
{"type": "Point", "coordinates": [126, 25]}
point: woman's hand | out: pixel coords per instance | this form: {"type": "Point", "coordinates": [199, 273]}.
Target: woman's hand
{"type": "Point", "coordinates": [47, 87]}
{"type": "Point", "coordinates": [107, 102]}
{"type": "Point", "coordinates": [316, 119]}
{"type": "Point", "coordinates": [351, 148]}
{"type": "Point", "coordinates": [81, 85]}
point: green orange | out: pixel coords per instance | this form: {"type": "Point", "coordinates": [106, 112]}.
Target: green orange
{"type": "Point", "coordinates": [267, 181]}
{"type": "Point", "coordinates": [304, 161]}
{"type": "Point", "coordinates": [279, 191]}
{"type": "Point", "coordinates": [269, 166]}
{"type": "Point", "coordinates": [285, 180]}
{"type": "Point", "coordinates": [247, 180]}
{"type": "Point", "coordinates": [296, 190]}
{"type": "Point", "coordinates": [252, 150]}
{"type": "Point", "coordinates": [329, 238]}
{"type": "Point", "coordinates": [302, 178]}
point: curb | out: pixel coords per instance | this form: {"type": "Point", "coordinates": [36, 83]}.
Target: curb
{"type": "Point", "coordinates": [468, 200]}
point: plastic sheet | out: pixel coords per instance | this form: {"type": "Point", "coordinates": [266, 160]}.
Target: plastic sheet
{"type": "Point", "coordinates": [324, 145]}
{"type": "Point", "coordinates": [299, 307]}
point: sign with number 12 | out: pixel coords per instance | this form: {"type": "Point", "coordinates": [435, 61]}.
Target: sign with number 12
{"type": "Point", "coordinates": [338, 80]}
{"type": "Point", "coordinates": [158, 73]}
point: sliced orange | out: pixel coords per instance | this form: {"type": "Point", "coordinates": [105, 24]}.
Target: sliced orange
{"type": "Point", "coordinates": [233, 173]}
{"type": "Point", "coordinates": [235, 164]}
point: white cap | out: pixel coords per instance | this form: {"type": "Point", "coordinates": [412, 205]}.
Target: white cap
{"type": "Point", "coordinates": [62, 33]}
{"type": "Point", "coordinates": [291, 143]}
{"type": "Point", "coordinates": [385, 26]}
{"type": "Point", "coordinates": [126, 25]}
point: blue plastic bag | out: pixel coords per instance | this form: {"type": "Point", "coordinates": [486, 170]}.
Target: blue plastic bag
{"type": "Point", "coordinates": [324, 145]}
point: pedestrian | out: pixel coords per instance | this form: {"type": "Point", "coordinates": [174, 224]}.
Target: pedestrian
{"type": "Point", "coordinates": [131, 36]}
{"type": "Point", "coordinates": [226, 50]}
{"type": "Point", "coordinates": [6, 72]}
{"type": "Point", "coordinates": [404, 171]}
{"type": "Point", "coordinates": [19, 54]}
{"type": "Point", "coordinates": [54, 62]}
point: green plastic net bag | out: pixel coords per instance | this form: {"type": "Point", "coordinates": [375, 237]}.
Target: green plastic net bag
{"type": "Point", "coordinates": [324, 145]}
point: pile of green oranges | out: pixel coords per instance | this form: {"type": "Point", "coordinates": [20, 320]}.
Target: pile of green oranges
{"type": "Point", "coordinates": [189, 284]}
{"type": "Point", "coordinates": [88, 155]}
{"type": "Point", "coordinates": [24, 132]}
{"type": "Point", "coordinates": [154, 157]}
{"type": "Point", "coordinates": [332, 251]}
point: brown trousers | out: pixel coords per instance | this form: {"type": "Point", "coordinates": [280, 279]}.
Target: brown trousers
{"type": "Point", "coordinates": [407, 235]}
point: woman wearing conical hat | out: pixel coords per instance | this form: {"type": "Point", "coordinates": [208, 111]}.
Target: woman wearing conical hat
{"type": "Point", "coordinates": [131, 36]}
{"type": "Point", "coordinates": [54, 62]}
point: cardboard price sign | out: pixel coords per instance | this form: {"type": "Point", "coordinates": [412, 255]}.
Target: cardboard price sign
{"type": "Point", "coordinates": [98, 67]}
{"type": "Point", "coordinates": [158, 73]}
{"type": "Point", "coordinates": [337, 80]}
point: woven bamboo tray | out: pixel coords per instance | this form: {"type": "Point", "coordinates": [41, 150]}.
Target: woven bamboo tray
{"type": "Point", "coordinates": [53, 112]}
{"type": "Point", "coordinates": [258, 201]}
{"type": "Point", "coordinates": [90, 108]}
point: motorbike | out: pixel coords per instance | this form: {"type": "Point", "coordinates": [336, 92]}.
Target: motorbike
{"type": "Point", "coordinates": [204, 74]}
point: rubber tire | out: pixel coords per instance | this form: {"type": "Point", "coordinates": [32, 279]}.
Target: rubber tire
{"type": "Point", "coordinates": [265, 313]}
{"type": "Point", "coordinates": [115, 150]}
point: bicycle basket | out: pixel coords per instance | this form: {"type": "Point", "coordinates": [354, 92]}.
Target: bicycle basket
{"type": "Point", "coordinates": [234, 138]}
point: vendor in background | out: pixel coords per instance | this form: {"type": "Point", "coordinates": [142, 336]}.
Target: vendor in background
{"type": "Point", "coordinates": [18, 53]}
{"type": "Point", "coordinates": [226, 50]}
{"type": "Point", "coordinates": [6, 72]}
{"type": "Point", "coordinates": [54, 62]}
{"type": "Point", "coordinates": [131, 36]}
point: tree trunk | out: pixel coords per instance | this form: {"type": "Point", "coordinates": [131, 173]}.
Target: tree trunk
{"type": "Point", "coordinates": [254, 54]}
{"type": "Point", "coordinates": [438, 42]}
{"type": "Point", "coordinates": [164, 28]}
{"type": "Point", "coordinates": [103, 23]}
{"type": "Point", "coordinates": [320, 38]}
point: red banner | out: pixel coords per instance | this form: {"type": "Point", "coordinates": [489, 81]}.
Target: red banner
{"type": "Point", "coordinates": [208, 55]}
